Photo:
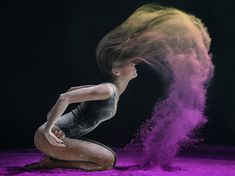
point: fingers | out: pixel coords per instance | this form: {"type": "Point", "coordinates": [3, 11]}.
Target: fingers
{"type": "Point", "coordinates": [56, 132]}
{"type": "Point", "coordinates": [53, 140]}
{"type": "Point", "coordinates": [59, 134]}
{"type": "Point", "coordinates": [62, 135]}
{"type": "Point", "coordinates": [57, 142]}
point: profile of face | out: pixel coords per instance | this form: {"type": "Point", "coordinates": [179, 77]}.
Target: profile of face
{"type": "Point", "coordinates": [125, 71]}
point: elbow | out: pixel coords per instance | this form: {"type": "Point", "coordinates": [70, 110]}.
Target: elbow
{"type": "Point", "coordinates": [70, 89]}
{"type": "Point", "coordinates": [63, 98]}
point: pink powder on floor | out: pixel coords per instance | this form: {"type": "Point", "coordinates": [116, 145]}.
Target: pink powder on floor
{"type": "Point", "coordinates": [202, 161]}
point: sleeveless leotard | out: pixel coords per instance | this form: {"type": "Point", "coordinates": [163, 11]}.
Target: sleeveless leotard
{"type": "Point", "coordinates": [87, 116]}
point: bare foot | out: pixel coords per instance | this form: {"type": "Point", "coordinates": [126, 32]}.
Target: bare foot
{"type": "Point", "coordinates": [44, 163]}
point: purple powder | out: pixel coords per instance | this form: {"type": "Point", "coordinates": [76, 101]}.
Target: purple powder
{"type": "Point", "coordinates": [176, 46]}
{"type": "Point", "coordinates": [202, 160]}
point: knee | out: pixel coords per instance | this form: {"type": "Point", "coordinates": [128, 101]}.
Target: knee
{"type": "Point", "coordinates": [108, 161]}
{"type": "Point", "coordinates": [39, 140]}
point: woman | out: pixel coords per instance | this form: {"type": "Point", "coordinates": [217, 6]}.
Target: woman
{"type": "Point", "coordinates": [175, 44]}
{"type": "Point", "coordinates": [59, 138]}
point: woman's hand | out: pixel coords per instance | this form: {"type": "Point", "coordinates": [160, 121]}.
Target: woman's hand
{"type": "Point", "coordinates": [58, 133]}
{"type": "Point", "coordinates": [52, 139]}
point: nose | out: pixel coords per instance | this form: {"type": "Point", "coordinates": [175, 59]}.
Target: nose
{"type": "Point", "coordinates": [132, 64]}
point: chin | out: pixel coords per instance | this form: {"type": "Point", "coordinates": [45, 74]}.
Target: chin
{"type": "Point", "coordinates": [134, 76]}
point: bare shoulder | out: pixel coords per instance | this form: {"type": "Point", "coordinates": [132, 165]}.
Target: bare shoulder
{"type": "Point", "coordinates": [95, 92]}
{"type": "Point", "coordinates": [105, 88]}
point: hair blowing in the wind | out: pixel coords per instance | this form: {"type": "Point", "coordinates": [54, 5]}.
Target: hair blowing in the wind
{"type": "Point", "coordinates": [176, 45]}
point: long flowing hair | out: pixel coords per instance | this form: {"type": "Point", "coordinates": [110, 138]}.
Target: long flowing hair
{"type": "Point", "coordinates": [176, 45]}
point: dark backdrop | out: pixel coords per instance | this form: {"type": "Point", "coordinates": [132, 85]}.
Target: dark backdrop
{"type": "Point", "coordinates": [49, 46]}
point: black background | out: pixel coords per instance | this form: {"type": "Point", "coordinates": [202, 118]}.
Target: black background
{"type": "Point", "coordinates": [49, 46]}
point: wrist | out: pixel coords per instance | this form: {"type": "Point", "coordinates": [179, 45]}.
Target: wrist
{"type": "Point", "coordinates": [47, 129]}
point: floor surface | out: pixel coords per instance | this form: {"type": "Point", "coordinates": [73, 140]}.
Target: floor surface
{"type": "Point", "coordinates": [200, 161]}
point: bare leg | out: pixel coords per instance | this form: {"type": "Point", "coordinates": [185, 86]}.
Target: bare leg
{"type": "Point", "coordinates": [48, 163]}
{"type": "Point", "coordinates": [45, 163]}
{"type": "Point", "coordinates": [77, 154]}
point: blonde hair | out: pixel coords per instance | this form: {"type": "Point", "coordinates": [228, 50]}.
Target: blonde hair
{"type": "Point", "coordinates": [150, 33]}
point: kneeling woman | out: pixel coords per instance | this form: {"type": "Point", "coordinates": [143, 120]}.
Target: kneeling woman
{"type": "Point", "coordinates": [60, 137]}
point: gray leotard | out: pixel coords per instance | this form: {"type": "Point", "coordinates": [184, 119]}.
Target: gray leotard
{"type": "Point", "coordinates": [87, 116]}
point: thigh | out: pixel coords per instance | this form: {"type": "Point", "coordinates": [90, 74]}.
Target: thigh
{"type": "Point", "coordinates": [102, 145]}
{"type": "Point", "coordinates": [75, 150]}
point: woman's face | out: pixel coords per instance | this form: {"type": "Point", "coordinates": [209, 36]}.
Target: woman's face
{"type": "Point", "coordinates": [126, 70]}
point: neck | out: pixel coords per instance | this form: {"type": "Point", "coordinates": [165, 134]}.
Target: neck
{"type": "Point", "coordinates": [120, 85]}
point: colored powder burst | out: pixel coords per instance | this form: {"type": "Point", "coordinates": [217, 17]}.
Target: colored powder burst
{"type": "Point", "coordinates": [176, 45]}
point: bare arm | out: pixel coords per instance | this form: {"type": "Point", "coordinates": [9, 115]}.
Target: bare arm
{"type": "Point", "coordinates": [79, 87]}
{"type": "Point", "coordinates": [98, 92]}
{"type": "Point", "coordinates": [69, 90]}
